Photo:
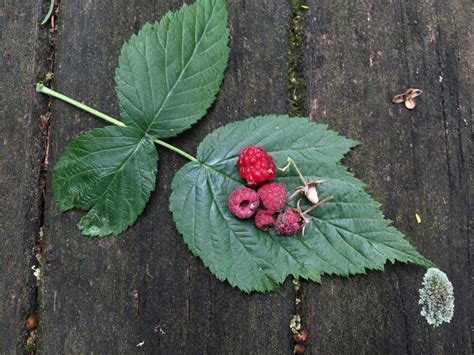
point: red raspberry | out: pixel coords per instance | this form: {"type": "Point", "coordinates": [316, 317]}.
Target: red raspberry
{"type": "Point", "coordinates": [264, 220]}
{"type": "Point", "coordinates": [287, 223]}
{"type": "Point", "coordinates": [243, 202]}
{"type": "Point", "coordinates": [256, 166]}
{"type": "Point", "coordinates": [272, 197]}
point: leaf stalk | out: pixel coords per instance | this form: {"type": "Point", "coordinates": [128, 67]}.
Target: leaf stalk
{"type": "Point", "coordinates": [48, 15]}
{"type": "Point", "coordinates": [40, 87]}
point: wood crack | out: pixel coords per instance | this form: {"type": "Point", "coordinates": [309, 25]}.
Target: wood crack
{"type": "Point", "coordinates": [51, 27]}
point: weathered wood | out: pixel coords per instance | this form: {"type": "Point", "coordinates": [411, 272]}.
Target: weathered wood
{"type": "Point", "coordinates": [20, 156]}
{"type": "Point", "coordinates": [358, 55]}
{"type": "Point", "coordinates": [108, 295]}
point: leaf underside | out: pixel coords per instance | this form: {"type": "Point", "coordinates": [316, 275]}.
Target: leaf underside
{"type": "Point", "coordinates": [170, 72]}
{"type": "Point", "coordinates": [346, 236]}
{"type": "Point", "coordinates": [111, 172]}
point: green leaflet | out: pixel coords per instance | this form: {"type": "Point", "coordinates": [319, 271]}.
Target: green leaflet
{"type": "Point", "coordinates": [280, 137]}
{"type": "Point", "coordinates": [170, 72]}
{"type": "Point", "coordinates": [347, 235]}
{"type": "Point", "coordinates": [111, 172]}
{"type": "Point", "coordinates": [168, 76]}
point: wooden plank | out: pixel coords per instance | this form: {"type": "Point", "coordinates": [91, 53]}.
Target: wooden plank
{"type": "Point", "coordinates": [109, 295]}
{"type": "Point", "coordinates": [20, 158]}
{"type": "Point", "coordinates": [358, 55]}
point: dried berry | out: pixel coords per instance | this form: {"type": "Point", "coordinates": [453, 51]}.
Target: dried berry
{"type": "Point", "coordinates": [32, 322]}
{"type": "Point", "coordinates": [264, 220]}
{"type": "Point", "coordinates": [301, 336]}
{"type": "Point", "coordinates": [299, 349]}
{"type": "Point", "coordinates": [288, 223]}
{"type": "Point", "coordinates": [243, 202]}
{"type": "Point", "coordinates": [256, 166]}
{"type": "Point", "coordinates": [272, 197]}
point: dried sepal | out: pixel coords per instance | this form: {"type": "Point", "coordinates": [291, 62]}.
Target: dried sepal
{"type": "Point", "coordinates": [302, 214]}
{"type": "Point", "coordinates": [309, 190]}
{"type": "Point", "coordinates": [312, 194]}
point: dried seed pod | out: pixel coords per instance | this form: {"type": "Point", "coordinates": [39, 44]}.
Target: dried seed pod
{"type": "Point", "coordinates": [413, 93]}
{"type": "Point", "coordinates": [398, 99]}
{"type": "Point", "coordinates": [410, 103]}
{"type": "Point", "coordinates": [408, 97]}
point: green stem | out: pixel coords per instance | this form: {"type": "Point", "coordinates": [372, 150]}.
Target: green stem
{"type": "Point", "coordinates": [50, 12]}
{"type": "Point", "coordinates": [176, 150]}
{"type": "Point", "coordinates": [292, 162]}
{"type": "Point", "coordinates": [45, 90]}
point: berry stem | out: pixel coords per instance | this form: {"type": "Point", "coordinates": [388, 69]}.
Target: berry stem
{"type": "Point", "coordinates": [292, 162]}
{"type": "Point", "coordinates": [316, 205]}
{"type": "Point", "coordinates": [45, 90]}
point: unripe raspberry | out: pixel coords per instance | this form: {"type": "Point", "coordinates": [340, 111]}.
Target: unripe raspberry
{"type": "Point", "coordinates": [256, 166]}
{"type": "Point", "coordinates": [243, 202]}
{"type": "Point", "coordinates": [264, 220]}
{"type": "Point", "coordinates": [287, 223]}
{"type": "Point", "coordinates": [272, 197]}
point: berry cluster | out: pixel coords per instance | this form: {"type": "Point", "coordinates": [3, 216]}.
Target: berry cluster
{"type": "Point", "coordinates": [267, 203]}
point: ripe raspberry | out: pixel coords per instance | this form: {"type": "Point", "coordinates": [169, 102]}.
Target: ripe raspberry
{"type": "Point", "coordinates": [256, 166]}
{"type": "Point", "coordinates": [287, 223]}
{"type": "Point", "coordinates": [272, 197]}
{"type": "Point", "coordinates": [243, 202]}
{"type": "Point", "coordinates": [264, 220]}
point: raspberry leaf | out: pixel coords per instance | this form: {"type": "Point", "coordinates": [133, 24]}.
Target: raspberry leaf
{"type": "Point", "coordinates": [109, 172]}
{"type": "Point", "coordinates": [170, 72]}
{"type": "Point", "coordinates": [280, 137]}
{"type": "Point", "coordinates": [347, 236]}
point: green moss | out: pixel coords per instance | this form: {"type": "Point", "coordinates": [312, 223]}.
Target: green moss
{"type": "Point", "coordinates": [295, 74]}
{"type": "Point", "coordinates": [40, 77]}
{"type": "Point", "coordinates": [30, 348]}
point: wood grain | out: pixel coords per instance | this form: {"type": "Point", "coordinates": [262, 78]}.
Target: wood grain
{"type": "Point", "coordinates": [144, 287]}
{"type": "Point", "coordinates": [358, 55]}
{"type": "Point", "coordinates": [22, 48]}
